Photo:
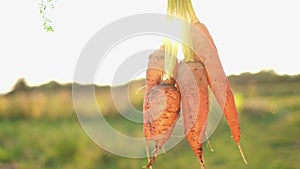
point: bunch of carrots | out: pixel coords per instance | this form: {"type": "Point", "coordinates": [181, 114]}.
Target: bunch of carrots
{"type": "Point", "coordinates": [171, 86]}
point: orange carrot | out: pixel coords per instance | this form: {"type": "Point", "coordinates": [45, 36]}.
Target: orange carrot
{"type": "Point", "coordinates": [153, 78]}
{"type": "Point", "coordinates": [201, 27]}
{"type": "Point", "coordinates": [164, 101]}
{"type": "Point", "coordinates": [193, 84]}
{"type": "Point", "coordinates": [153, 122]}
{"type": "Point", "coordinates": [207, 52]}
{"type": "Point", "coordinates": [231, 114]}
{"type": "Point", "coordinates": [214, 70]}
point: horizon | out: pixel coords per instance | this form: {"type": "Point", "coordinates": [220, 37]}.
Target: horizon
{"type": "Point", "coordinates": [125, 82]}
{"type": "Point", "coordinates": [247, 41]}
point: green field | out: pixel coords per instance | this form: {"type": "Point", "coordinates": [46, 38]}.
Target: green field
{"type": "Point", "coordinates": [53, 139]}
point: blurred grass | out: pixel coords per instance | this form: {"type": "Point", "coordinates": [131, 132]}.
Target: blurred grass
{"type": "Point", "coordinates": [39, 129]}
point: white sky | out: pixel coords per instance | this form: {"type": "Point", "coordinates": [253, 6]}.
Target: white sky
{"type": "Point", "coordinates": [250, 35]}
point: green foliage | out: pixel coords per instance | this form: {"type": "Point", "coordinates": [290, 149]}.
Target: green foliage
{"type": "Point", "coordinates": [54, 101]}
{"type": "Point", "coordinates": [270, 142]}
{"type": "Point", "coordinates": [266, 83]}
{"type": "Point", "coordinates": [44, 7]}
{"type": "Point", "coordinates": [37, 105]}
{"type": "Point", "coordinates": [39, 128]}
{"type": "Point", "coordinates": [21, 85]}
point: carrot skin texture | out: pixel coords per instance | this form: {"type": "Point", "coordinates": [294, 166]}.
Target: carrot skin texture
{"type": "Point", "coordinates": [208, 55]}
{"type": "Point", "coordinates": [201, 27]}
{"type": "Point", "coordinates": [206, 51]}
{"type": "Point", "coordinates": [164, 101]}
{"type": "Point", "coordinates": [193, 84]}
{"type": "Point", "coordinates": [154, 74]}
{"type": "Point", "coordinates": [153, 77]}
{"type": "Point", "coordinates": [231, 114]}
{"type": "Point", "coordinates": [154, 122]}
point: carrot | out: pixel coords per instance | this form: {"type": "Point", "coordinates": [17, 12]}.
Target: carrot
{"type": "Point", "coordinates": [164, 99]}
{"type": "Point", "coordinates": [152, 122]}
{"type": "Point", "coordinates": [208, 54]}
{"type": "Point", "coordinates": [205, 31]}
{"type": "Point", "coordinates": [206, 51]}
{"type": "Point", "coordinates": [231, 116]}
{"type": "Point", "coordinates": [153, 78]}
{"type": "Point", "coordinates": [163, 112]}
{"type": "Point", "coordinates": [193, 84]}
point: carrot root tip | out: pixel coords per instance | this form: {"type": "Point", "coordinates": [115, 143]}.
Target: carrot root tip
{"type": "Point", "coordinates": [149, 165]}
{"type": "Point", "coordinates": [242, 153]}
{"type": "Point", "coordinates": [163, 150]}
{"type": "Point", "coordinates": [210, 146]}
{"type": "Point", "coordinates": [147, 151]}
{"type": "Point", "coordinates": [140, 89]}
{"type": "Point", "coordinates": [208, 143]}
{"type": "Point", "coordinates": [202, 162]}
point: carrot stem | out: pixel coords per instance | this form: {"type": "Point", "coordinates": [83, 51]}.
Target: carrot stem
{"type": "Point", "coordinates": [171, 47]}
{"type": "Point", "coordinates": [191, 11]}
{"type": "Point", "coordinates": [188, 53]}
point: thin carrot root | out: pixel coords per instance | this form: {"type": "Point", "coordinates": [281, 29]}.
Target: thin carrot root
{"type": "Point", "coordinates": [242, 153]}
{"type": "Point", "coordinates": [139, 90]}
{"type": "Point", "coordinates": [149, 165]}
{"type": "Point", "coordinates": [164, 101]}
{"type": "Point", "coordinates": [202, 163]}
{"type": "Point", "coordinates": [210, 146]}
{"type": "Point", "coordinates": [147, 151]}
{"type": "Point", "coordinates": [193, 86]}
{"type": "Point", "coordinates": [208, 143]}
{"type": "Point", "coordinates": [148, 156]}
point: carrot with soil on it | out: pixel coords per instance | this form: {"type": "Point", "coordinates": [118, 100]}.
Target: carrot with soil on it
{"type": "Point", "coordinates": [206, 51]}
{"type": "Point", "coordinates": [220, 86]}
{"type": "Point", "coordinates": [193, 86]}
{"type": "Point", "coordinates": [231, 116]}
{"type": "Point", "coordinates": [191, 79]}
{"type": "Point", "coordinates": [164, 101]}
{"type": "Point", "coordinates": [162, 96]}
{"type": "Point", "coordinates": [153, 77]}
{"type": "Point", "coordinates": [163, 104]}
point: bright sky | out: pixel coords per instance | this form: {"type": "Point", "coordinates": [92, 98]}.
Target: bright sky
{"type": "Point", "coordinates": [250, 35]}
